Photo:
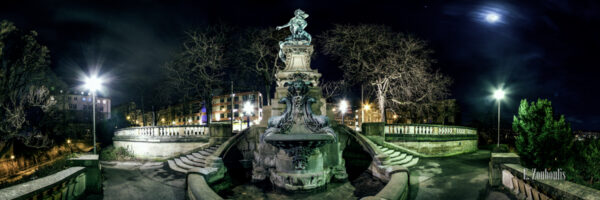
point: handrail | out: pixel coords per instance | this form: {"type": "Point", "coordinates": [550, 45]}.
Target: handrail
{"type": "Point", "coordinates": [185, 130]}
{"type": "Point", "coordinates": [428, 129]}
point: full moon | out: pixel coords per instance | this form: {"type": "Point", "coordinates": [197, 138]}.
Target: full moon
{"type": "Point", "coordinates": [492, 17]}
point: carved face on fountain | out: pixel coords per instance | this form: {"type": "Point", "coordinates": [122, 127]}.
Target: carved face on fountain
{"type": "Point", "coordinates": [298, 130]}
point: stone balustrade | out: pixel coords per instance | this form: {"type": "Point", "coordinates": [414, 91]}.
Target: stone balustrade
{"type": "Point", "coordinates": [519, 181]}
{"type": "Point", "coordinates": [187, 130]}
{"type": "Point", "coordinates": [75, 182]}
{"type": "Point", "coordinates": [66, 184]}
{"type": "Point", "coordinates": [428, 129]}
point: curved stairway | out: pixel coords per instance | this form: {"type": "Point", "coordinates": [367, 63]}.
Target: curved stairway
{"type": "Point", "coordinates": [398, 158]}
{"type": "Point", "coordinates": [192, 160]}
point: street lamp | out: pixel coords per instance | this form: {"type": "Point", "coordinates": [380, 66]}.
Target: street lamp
{"type": "Point", "coordinates": [499, 95]}
{"type": "Point", "coordinates": [343, 108]}
{"type": "Point", "coordinates": [93, 83]}
{"type": "Point", "coordinates": [248, 108]}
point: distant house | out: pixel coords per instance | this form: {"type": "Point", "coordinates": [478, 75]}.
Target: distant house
{"type": "Point", "coordinates": [194, 112]}
{"type": "Point", "coordinates": [81, 104]}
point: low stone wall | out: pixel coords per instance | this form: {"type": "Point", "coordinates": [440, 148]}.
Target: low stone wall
{"type": "Point", "coordinates": [425, 140]}
{"type": "Point", "coordinates": [513, 179]}
{"type": "Point", "coordinates": [505, 170]}
{"type": "Point", "coordinates": [395, 189]}
{"type": "Point", "coordinates": [198, 189]}
{"type": "Point", "coordinates": [438, 148]}
{"type": "Point", "coordinates": [71, 183]}
{"type": "Point", "coordinates": [161, 149]}
{"type": "Point", "coordinates": [160, 142]}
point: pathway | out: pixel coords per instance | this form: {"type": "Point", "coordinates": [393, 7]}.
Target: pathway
{"type": "Point", "coordinates": [148, 181]}
{"type": "Point", "coordinates": [457, 177]}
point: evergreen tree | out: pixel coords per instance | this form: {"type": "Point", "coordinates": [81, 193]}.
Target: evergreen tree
{"type": "Point", "coordinates": [543, 139]}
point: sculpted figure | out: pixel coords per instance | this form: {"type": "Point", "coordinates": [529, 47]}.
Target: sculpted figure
{"type": "Point", "coordinates": [298, 35]}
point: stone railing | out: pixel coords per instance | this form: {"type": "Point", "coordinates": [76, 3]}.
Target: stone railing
{"type": "Point", "coordinates": [72, 183]}
{"type": "Point", "coordinates": [187, 130]}
{"type": "Point", "coordinates": [66, 184]}
{"type": "Point", "coordinates": [428, 129]}
{"type": "Point", "coordinates": [524, 186]}
{"type": "Point", "coordinates": [505, 170]}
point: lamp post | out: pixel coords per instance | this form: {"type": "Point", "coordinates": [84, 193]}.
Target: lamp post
{"type": "Point", "coordinates": [248, 108]}
{"type": "Point", "coordinates": [343, 108]}
{"type": "Point", "coordinates": [93, 83]}
{"type": "Point", "coordinates": [499, 95]}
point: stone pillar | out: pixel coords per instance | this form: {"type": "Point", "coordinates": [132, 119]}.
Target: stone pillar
{"type": "Point", "coordinates": [298, 61]}
{"type": "Point", "coordinates": [93, 176]}
{"type": "Point", "coordinates": [219, 132]}
{"type": "Point", "coordinates": [374, 131]}
{"type": "Point", "coordinates": [497, 159]}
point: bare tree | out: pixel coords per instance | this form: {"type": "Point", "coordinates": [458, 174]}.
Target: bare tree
{"type": "Point", "coordinates": [260, 54]}
{"type": "Point", "coordinates": [395, 65]}
{"type": "Point", "coordinates": [196, 70]}
{"type": "Point", "coordinates": [332, 89]}
{"type": "Point", "coordinates": [23, 98]}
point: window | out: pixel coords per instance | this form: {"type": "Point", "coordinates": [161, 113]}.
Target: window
{"type": "Point", "coordinates": [75, 98]}
{"type": "Point", "coordinates": [236, 114]}
{"type": "Point", "coordinates": [236, 98]}
{"type": "Point", "coordinates": [222, 115]}
{"type": "Point", "coordinates": [237, 106]}
{"type": "Point", "coordinates": [222, 100]}
{"type": "Point", "coordinates": [83, 99]}
{"type": "Point", "coordinates": [104, 101]}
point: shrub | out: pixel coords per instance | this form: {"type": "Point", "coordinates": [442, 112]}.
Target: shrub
{"type": "Point", "coordinates": [112, 153]}
{"type": "Point", "coordinates": [543, 139]}
{"type": "Point", "coordinates": [503, 148]}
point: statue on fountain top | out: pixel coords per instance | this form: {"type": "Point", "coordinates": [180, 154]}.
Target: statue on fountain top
{"type": "Point", "coordinates": [298, 35]}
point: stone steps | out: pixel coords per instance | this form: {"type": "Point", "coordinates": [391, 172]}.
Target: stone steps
{"type": "Point", "coordinates": [395, 154]}
{"type": "Point", "coordinates": [411, 163]}
{"type": "Point", "coordinates": [198, 156]}
{"type": "Point", "coordinates": [398, 158]}
{"type": "Point", "coordinates": [192, 158]}
{"type": "Point", "coordinates": [191, 161]}
{"type": "Point", "coordinates": [174, 167]}
{"type": "Point", "coordinates": [204, 153]}
{"type": "Point", "coordinates": [403, 161]}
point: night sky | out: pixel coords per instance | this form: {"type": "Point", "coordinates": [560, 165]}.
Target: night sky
{"type": "Point", "coordinates": [537, 49]}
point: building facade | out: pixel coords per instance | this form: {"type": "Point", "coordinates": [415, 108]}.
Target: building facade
{"type": "Point", "coordinates": [244, 104]}
{"type": "Point", "coordinates": [81, 103]}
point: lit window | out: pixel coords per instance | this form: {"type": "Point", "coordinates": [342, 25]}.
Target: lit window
{"type": "Point", "coordinates": [83, 99]}
{"type": "Point", "coordinates": [103, 101]}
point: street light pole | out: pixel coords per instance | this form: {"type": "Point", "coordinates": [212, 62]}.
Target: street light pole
{"type": "Point", "coordinates": [94, 118]}
{"type": "Point", "coordinates": [498, 123]}
{"type": "Point", "coordinates": [499, 94]}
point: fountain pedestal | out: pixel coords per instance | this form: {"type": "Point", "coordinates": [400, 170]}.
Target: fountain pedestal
{"type": "Point", "coordinates": [300, 165]}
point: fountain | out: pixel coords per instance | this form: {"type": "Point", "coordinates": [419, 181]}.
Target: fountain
{"type": "Point", "coordinates": [298, 154]}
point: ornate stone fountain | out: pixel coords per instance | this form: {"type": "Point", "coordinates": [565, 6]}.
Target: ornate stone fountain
{"type": "Point", "coordinates": [298, 150]}
{"type": "Point", "coordinates": [299, 134]}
